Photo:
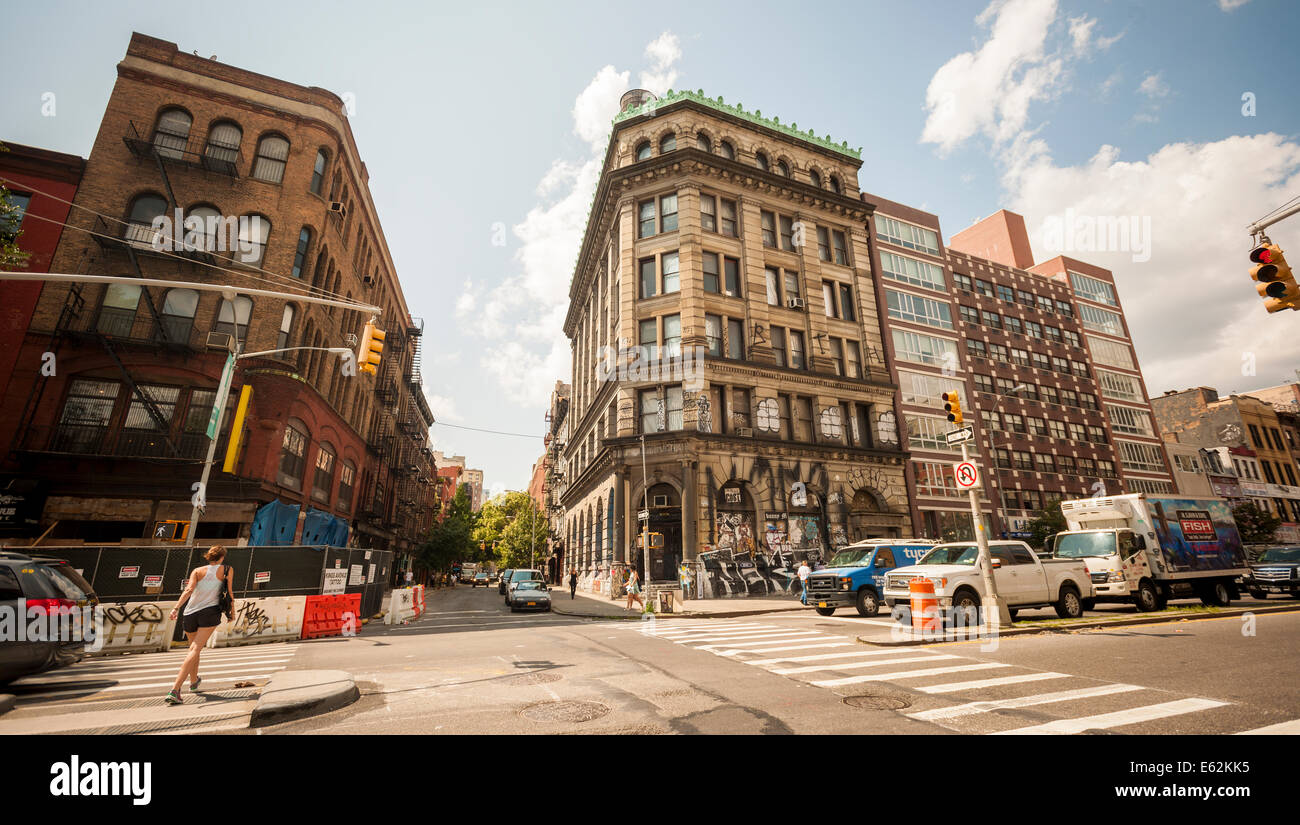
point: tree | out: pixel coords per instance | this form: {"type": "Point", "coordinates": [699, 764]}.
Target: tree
{"type": "Point", "coordinates": [512, 524]}
{"type": "Point", "coordinates": [1255, 525]}
{"type": "Point", "coordinates": [1046, 522]}
{"type": "Point", "coordinates": [11, 257]}
{"type": "Point", "coordinates": [449, 540]}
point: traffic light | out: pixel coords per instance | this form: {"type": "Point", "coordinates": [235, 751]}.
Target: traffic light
{"type": "Point", "coordinates": [1274, 280]}
{"type": "Point", "coordinates": [372, 347]}
{"type": "Point", "coordinates": [952, 404]}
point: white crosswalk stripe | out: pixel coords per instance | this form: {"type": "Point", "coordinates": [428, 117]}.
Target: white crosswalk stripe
{"type": "Point", "coordinates": [987, 704]}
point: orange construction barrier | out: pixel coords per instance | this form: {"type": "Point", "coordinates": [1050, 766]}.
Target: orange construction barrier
{"type": "Point", "coordinates": [329, 615]}
{"type": "Point", "coordinates": [417, 598]}
{"type": "Point", "coordinates": [925, 607]}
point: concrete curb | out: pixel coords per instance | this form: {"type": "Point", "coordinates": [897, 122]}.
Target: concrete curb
{"type": "Point", "coordinates": [1149, 618]}
{"type": "Point", "coordinates": [7, 701]}
{"type": "Point", "coordinates": [298, 694]}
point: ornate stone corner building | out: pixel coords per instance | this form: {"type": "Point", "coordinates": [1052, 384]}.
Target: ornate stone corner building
{"type": "Point", "coordinates": [728, 379]}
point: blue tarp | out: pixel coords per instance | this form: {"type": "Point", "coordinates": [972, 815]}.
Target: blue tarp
{"type": "Point", "coordinates": [274, 524]}
{"type": "Point", "coordinates": [322, 528]}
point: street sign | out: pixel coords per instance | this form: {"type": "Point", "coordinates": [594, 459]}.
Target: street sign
{"type": "Point", "coordinates": [968, 475]}
{"type": "Point", "coordinates": [958, 436]}
{"type": "Point", "coordinates": [223, 390]}
{"type": "Point", "coordinates": [642, 515]}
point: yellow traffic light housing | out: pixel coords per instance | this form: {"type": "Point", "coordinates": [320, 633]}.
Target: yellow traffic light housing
{"type": "Point", "coordinates": [952, 404]}
{"type": "Point", "coordinates": [1274, 280]}
{"type": "Point", "coordinates": [371, 349]}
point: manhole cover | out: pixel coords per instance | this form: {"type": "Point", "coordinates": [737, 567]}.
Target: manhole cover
{"type": "Point", "coordinates": [564, 711]}
{"type": "Point", "coordinates": [534, 678]}
{"type": "Point", "coordinates": [876, 702]}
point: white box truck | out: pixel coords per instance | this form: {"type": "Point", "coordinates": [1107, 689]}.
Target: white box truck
{"type": "Point", "coordinates": [1148, 549]}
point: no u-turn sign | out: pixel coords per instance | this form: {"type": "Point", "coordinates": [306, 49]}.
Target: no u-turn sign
{"type": "Point", "coordinates": [968, 475]}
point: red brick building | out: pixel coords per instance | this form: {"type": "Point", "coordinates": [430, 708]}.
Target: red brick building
{"type": "Point", "coordinates": [119, 433]}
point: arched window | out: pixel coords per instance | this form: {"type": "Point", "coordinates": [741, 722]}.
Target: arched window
{"type": "Point", "coordinates": [835, 185]}
{"type": "Point", "coordinates": [322, 485]}
{"type": "Point", "coordinates": [702, 142]}
{"type": "Point", "coordinates": [643, 150]}
{"type": "Point", "coordinates": [815, 177]}
{"type": "Point", "coordinates": [728, 151]}
{"type": "Point", "coordinates": [232, 318]}
{"type": "Point", "coordinates": [178, 314]}
{"type": "Point", "coordinates": [293, 454]}
{"type": "Point", "coordinates": [761, 160]}
{"type": "Point", "coordinates": [172, 133]}
{"type": "Point", "coordinates": [139, 229]}
{"type": "Point", "coordinates": [347, 480]}
{"type": "Point", "coordinates": [272, 154]}
{"type": "Point", "coordinates": [667, 143]}
{"type": "Point", "coordinates": [286, 327]}
{"type": "Point", "coordinates": [783, 168]}
{"type": "Point", "coordinates": [318, 172]}
{"type": "Point", "coordinates": [253, 232]}
{"type": "Point", "coordinates": [222, 151]}
{"type": "Point", "coordinates": [117, 315]}
{"type": "Point", "coordinates": [203, 230]}
{"type": "Point", "coordinates": [300, 256]}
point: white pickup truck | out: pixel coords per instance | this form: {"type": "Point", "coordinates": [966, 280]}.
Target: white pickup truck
{"type": "Point", "coordinates": [1022, 578]}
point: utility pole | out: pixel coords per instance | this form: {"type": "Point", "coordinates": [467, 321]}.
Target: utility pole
{"type": "Point", "coordinates": [645, 502]}
{"type": "Point", "coordinates": [994, 608]}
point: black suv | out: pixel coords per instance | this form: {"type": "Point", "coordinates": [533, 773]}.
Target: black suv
{"type": "Point", "coordinates": [504, 581]}
{"type": "Point", "coordinates": [45, 582]}
{"type": "Point", "coordinates": [1276, 570]}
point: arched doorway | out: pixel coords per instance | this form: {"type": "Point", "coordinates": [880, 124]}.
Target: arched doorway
{"type": "Point", "coordinates": [661, 564]}
{"type": "Point", "coordinates": [869, 517]}
{"type": "Point", "coordinates": [805, 524]}
{"type": "Point", "coordinates": [738, 563]}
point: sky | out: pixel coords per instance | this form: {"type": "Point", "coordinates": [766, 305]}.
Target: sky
{"type": "Point", "coordinates": [483, 126]}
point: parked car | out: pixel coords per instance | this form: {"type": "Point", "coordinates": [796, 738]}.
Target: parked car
{"type": "Point", "coordinates": [856, 575]}
{"type": "Point", "coordinates": [503, 581]}
{"type": "Point", "coordinates": [1023, 580]}
{"type": "Point", "coordinates": [1276, 570]}
{"type": "Point", "coordinates": [531, 594]}
{"type": "Point", "coordinates": [49, 583]}
{"type": "Point", "coordinates": [480, 578]}
{"type": "Point", "coordinates": [517, 576]}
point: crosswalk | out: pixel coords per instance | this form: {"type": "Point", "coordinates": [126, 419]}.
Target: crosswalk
{"type": "Point", "coordinates": [969, 696]}
{"type": "Point", "coordinates": [124, 693]}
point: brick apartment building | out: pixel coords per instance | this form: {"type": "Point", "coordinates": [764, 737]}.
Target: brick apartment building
{"type": "Point", "coordinates": [1041, 355]}
{"type": "Point", "coordinates": [716, 228]}
{"type": "Point", "coordinates": [1258, 438]}
{"type": "Point", "coordinates": [118, 435]}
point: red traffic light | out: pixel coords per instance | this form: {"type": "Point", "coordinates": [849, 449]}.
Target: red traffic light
{"type": "Point", "coordinates": [1261, 255]}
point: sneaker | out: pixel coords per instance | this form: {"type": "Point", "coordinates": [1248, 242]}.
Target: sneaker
{"type": "Point", "coordinates": [194, 686]}
{"type": "Point", "coordinates": [173, 698]}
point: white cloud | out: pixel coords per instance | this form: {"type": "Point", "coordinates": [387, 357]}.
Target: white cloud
{"type": "Point", "coordinates": [1231, 5]}
{"type": "Point", "coordinates": [1153, 86]}
{"type": "Point", "coordinates": [1192, 309]}
{"type": "Point", "coordinates": [597, 104]}
{"type": "Point", "coordinates": [444, 408]}
{"type": "Point", "coordinates": [989, 91]}
{"type": "Point", "coordinates": [664, 52]}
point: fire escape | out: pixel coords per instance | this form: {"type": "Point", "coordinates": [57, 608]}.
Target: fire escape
{"type": "Point", "coordinates": [114, 328]}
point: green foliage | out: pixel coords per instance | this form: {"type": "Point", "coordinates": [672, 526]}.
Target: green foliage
{"type": "Point", "coordinates": [449, 540]}
{"type": "Point", "coordinates": [1255, 525]}
{"type": "Point", "coordinates": [1046, 522]}
{"type": "Point", "coordinates": [517, 530]}
{"type": "Point", "coordinates": [11, 257]}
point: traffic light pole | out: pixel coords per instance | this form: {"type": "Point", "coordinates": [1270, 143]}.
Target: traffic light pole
{"type": "Point", "coordinates": [1258, 228]}
{"type": "Point", "coordinates": [993, 606]}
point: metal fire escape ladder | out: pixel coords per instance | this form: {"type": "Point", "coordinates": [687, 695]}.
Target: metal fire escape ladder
{"type": "Point", "coordinates": [148, 298]}
{"type": "Point", "coordinates": [156, 414]}
{"type": "Point", "coordinates": [72, 307]}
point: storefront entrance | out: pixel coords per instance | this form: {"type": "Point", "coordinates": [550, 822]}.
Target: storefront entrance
{"type": "Point", "coordinates": [661, 564]}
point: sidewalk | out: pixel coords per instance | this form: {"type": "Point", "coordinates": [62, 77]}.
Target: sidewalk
{"type": "Point", "coordinates": [591, 605]}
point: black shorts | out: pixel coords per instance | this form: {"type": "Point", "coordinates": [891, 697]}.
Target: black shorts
{"type": "Point", "coordinates": [207, 617]}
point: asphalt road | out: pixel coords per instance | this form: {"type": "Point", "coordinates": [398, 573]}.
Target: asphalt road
{"type": "Point", "coordinates": [471, 666]}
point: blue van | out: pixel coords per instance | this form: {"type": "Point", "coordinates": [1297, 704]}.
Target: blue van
{"type": "Point", "coordinates": [856, 574]}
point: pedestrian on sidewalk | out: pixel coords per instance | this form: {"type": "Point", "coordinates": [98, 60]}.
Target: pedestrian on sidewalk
{"type": "Point", "coordinates": [573, 583]}
{"type": "Point", "coordinates": [206, 594]}
{"type": "Point", "coordinates": [804, 572]}
{"type": "Point", "coordinates": [634, 591]}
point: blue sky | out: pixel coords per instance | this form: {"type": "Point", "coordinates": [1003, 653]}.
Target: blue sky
{"type": "Point", "coordinates": [475, 117]}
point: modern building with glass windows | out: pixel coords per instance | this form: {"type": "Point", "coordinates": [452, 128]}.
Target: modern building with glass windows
{"type": "Point", "coordinates": [729, 388]}
{"type": "Point", "coordinates": [1040, 356]}
{"type": "Point", "coordinates": [267, 182]}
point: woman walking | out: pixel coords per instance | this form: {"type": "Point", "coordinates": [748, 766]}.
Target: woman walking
{"type": "Point", "coordinates": [573, 583]}
{"type": "Point", "coordinates": [634, 591]}
{"type": "Point", "coordinates": [203, 592]}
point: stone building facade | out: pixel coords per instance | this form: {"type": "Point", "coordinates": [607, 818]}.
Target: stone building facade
{"type": "Point", "coordinates": [119, 431]}
{"type": "Point", "coordinates": [727, 386]}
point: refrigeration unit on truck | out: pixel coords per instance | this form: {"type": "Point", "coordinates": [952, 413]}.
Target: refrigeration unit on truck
{"type": "Point", "coordinates": [1148, 549]}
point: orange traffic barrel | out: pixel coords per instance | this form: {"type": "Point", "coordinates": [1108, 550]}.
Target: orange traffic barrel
{"type": "Point", "coordinates": [925, 607]}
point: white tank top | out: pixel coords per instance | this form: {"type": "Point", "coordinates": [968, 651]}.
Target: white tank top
{"type": "Point", "coordinates": [206, 592]}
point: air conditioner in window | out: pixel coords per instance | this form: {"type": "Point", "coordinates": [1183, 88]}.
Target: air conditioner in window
{"type": "Point", "coordinates": [221, 340]}
{"type": "Point", "coordinates": [745, 432]}
{"type": "Point", "coordinates": [795, 303]}
{"type": "Point", "coordinates": [338, 208]}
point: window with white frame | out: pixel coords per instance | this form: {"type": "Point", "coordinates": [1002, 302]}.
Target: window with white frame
{"type": "Point", "coordinates": [1101, 320]}
{"type": "Point", "coordinates": [1119, 386]}
{"type": "Point", "coordinates": [1140, 457]}
{"type": "Point", "coordinates": [927, 390]}
{"type": "Point", "coordinates": [907, 235]}
{"type": "Point", "coordinates": [924, 349]}
{"type": "Point", "coordinates": [1111, 353]}
{"type": "Point", "coordinates": [934, 478]}
{"type": "Point", "coordinates": [1145, 485]}
{"type": "Point", "coordinates": [1093, 289]}
{"type": "Point", "coordinates": [911, 270]}
{"type": "Point", "coordinates": [925, 433]}
{"type": "Point", "coordinates": [918, 310]}
{"type": "Point", "coordinates": [1130, 421]}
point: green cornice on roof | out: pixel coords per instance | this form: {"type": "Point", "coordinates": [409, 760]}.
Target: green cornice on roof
{"type": "Point", "coordinates": [738, 110]}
